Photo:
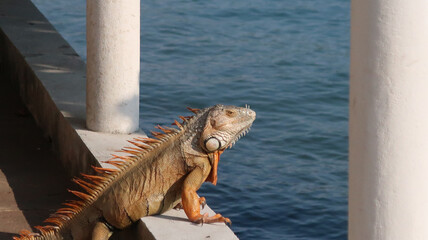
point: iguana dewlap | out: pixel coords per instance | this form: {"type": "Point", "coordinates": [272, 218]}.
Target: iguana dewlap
{"type": "Point", "coordinates": [159, 174]}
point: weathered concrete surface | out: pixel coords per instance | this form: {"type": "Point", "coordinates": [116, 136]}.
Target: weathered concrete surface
{"type": "Point", "coordinates": [51, 79]}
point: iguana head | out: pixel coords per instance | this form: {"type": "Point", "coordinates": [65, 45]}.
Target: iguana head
{"type": "Point", "coordinates": [224, 125]}
{"type": "Point", "coordinates": [216, 128]}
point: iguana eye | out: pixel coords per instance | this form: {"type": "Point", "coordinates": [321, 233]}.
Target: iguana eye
{"type": "Point", "coordinates": [212, 144]}
{"type": "Point", "coordinates": [230, 113]}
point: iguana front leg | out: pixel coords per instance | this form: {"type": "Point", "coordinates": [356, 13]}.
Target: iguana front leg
{"type": "Point", "coordinates": [191, 201]}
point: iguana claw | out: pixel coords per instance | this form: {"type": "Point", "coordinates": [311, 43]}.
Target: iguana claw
{"type": "Point", "coordinates": [202, 202]}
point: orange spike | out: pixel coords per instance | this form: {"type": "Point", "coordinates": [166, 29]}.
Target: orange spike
{"type": "Point", "coordinates": [104, 170]}
{"type": "Point", "coordinates": [132, 148]}
{"type": "Point", "coordinates": [97, 170]}
{"type": "Point", "coordinates": [129, 151]}
{"type": "Point", "coordinates": [41, 229]}
{"type": "Point", "coordinates": [149, 140]}
{"type": "Point", "coordinates": [25, 232]}
{"type": "Point", "coordinates": [87, 186]}
{"type": "Point", "coordinates": [90, 185]}
{"type": "Point", "coordinates": [81, 195]}
{"type": "Point", "coordinates": [53, 220]}
{"type": "Point", "coordinates": [96, 179]}
{"type": "Point", "coordinates": [65, 210]}
{"type": "Point", "coordinates": [163, 129]}
{"type": "Point", "coordinates": [142, 146]}
{"type": "Point", "coordinates": [115, 163]}
{"type": "Point", "coordinates": [76, 202]}
{"type": "Point", "coordinates": [182, 118]}
{"type": "Point", "coordinates": [193, 110]}
{"type": "Point", "coordinates": [60, 216]}
{"type": "Point", "coordinates": [157, 135]}
{"type": "Point", "coordinates": [44, 229]}
{"type": "Point", "coordinates": [177, 124]}
{"type": "Point", "coordinates": [65, 214]}
{"type": "Point", "coordinates": [154, 133]}
{"type": "Point", "coordinates": [125, 158]}
{"type": "Point", "coordinates": [74, 206]}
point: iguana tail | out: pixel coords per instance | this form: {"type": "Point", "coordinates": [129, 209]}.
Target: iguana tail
{"type": "Point", "coordinates": [69, 223]}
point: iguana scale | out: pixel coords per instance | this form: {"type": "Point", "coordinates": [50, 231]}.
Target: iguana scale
{"type": "Point", "coordinates": [159, 173]}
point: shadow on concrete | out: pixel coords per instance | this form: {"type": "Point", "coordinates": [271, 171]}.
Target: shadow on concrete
{"type": "Point", "coordinates": [32, 181]}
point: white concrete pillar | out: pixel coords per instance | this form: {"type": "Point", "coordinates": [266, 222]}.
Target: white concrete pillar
{"type": "Point", "coordinates": [388, 125]}
{"type": "Point", "coordinates": [113, 65]}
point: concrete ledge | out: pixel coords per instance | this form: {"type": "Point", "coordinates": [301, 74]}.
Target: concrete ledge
{"type": "Point", "coordinates": [52, 80]}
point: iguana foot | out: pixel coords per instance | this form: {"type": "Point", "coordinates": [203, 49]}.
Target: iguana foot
{"type": "Point", "coordinates": [216, 218]}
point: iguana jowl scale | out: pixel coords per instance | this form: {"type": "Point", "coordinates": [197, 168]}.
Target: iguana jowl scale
{"type": "Point", "coordinates": [160, 173]}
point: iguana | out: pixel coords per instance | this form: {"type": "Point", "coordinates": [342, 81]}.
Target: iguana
{"type": "Point", "coordinates": [158, 174]}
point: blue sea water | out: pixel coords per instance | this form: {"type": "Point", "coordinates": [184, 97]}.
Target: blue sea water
{"type": "Point", "coordinates": [287, 179]}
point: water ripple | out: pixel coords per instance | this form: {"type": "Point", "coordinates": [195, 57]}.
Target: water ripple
{"type": "Point", "coordinates": [287, 179]}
